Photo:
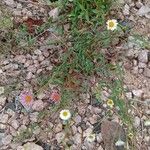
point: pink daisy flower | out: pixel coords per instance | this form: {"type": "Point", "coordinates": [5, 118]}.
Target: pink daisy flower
{"type": "Point", "coordinates": [26, 99]}
{"type": "Point", "coordinates": [55, 96]}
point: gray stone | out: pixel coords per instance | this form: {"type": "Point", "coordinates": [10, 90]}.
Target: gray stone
{"type": "Point", "coordinates": [58, 128]}
{"type": "Point", "coordinates": [3, 120]}
{"type": "Point", "coordinates": [135, 70]}
{"type": "Point", "coordinates": [74, 129]}
{"type": "Point", "coordinates": [29, 76]}
{"type": "Point", "coordinates": [15, 124]}
{"type": "Point", "coordinates": [136, 122]}
{"type": "Point", "coordinates": [126, 10]}
{"type": "Point", "coordinates": [7, 140]}
{"type": "Point", "coordinates": [54, 13]}
{"type": "Point", "coordinates": [129, 95]}
{"type": "Point", "coordinates": [143, 56]}
{"type": "Point", "coordinates": [60, 137]}
{"type": "Point", "coordinates": [110, 132]}
{"type": "Point", "coordinates": [38, 105]}
{"type": "Point", "coordinates": [137, 93]}
{"type": "Point", "coordinates": [77, 119]}
{"type": "Point", "coordinates": [2, 100]}
{"type": "Point", "coordinates": [10, 3]}
{"type": "Point", "coordinates": [34, 117]}
{"type": "Point", "coordinates": [77, 139]}
{"type": "Point", "coordinates": [147, 72]}
{"type": "Point", "coordinates": [37, 52]}
{"type": "Point", "coordinates": [32, 146]}
{"type": "Point", "coordinates": [143, 10]}
{"type": "Point", "coordinates": [131, 53]}
{"type": "Point", "coordinates": [141, 65]}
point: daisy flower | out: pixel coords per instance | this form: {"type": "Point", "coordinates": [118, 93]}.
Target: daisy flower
{"type": "Point", "coordinates": [55, 96]}
{"type": "Point", "coordinates": [110, 103]}
{"type": "Point", "coordinates": [26, 99]}
{"type": "Point", "coordinates": [65, 115]}
{"type": "Point", "coordinates": [91, 138]}
{"type": "Point", "coordinates": [119, 143]}
{"type": "Point", "coordinates": [1, 90]}
{"type": "Point", "coordinates": [112, 24]}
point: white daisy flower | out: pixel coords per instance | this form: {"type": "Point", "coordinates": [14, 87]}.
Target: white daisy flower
{"type": "Point", "coordinates": [112, 24]}
{"type": "Point", "coordinates": [147, 123]}
{"type": "Point", "coordinates": [65, 114]}
{"type": "Point", "coordinates": [119, 143]}
{"type": "Point", "coordinates": [91, 138]}
{"type": "Point", "coordinates": [1, 90]}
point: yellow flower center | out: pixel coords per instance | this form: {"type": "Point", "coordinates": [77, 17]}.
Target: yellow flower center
{"type": "Point", "coordinates": [111, 24]}
{"type": "Point", "coordinates": [110, 102]}
{"type": "Point", "coordinates": [65, 113]}
{"type": "Point", "coordinates": [28, 98]}
{"type": "Point", "coordinates": [90, 136]}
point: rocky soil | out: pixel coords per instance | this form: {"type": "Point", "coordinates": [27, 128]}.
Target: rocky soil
{"type": "Point", "coordinates": [42, 128]}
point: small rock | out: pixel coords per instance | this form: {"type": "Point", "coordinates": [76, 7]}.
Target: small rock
{"type": "Point", "coordinates": [137, 122]}
{"type": "Point", "coordinates": [100, 148]}
{"type": "Point", "coordinates": [2, 100]}
{"type": "Point", "coordinates": [34, 117]}
{"type": "Point", "coordinates": [139, 4]}
{"type": "Point", "coordinates": [3, 120]}
{"type": "Point", "coordinates": [31, 68]}
{"type": "Point", "coordinates": [77, 139]}
{"type": "Point", "coordinates": [135, 62]}
{"type": "Point", "coordinates": [135, 70]}
{"type": "Point", "coordinates": [93, 119]}
{"type": "Point", "coordinates": [143, 10]}
{"type": "Point", "coordinates": [99, 138]}
{"type": "Point", "coordinates": [2, 135]}
{"type": "Point", "coordinates": [131, 53]}
{"type": "Point", "coordinates": [141, 65]}
{"type": "Point", "coordinates": [37, 130]}
{"type": "Point", "coordinates": [7, 140]}
{"type": "Point", "coordinates": [29, 76]}
{"type": "Point", "coordinates": [74, 129]}
{"type": "Point", "coordinates": [40, 95]}
{"type": "Point", "coordinates": [32, 146]}
{"type": "Point", "coordinates": [38, 105]}
{"type": "Point", "coordinates": [141, 71]}
{"type": "Point", "coordinates": [87, 132]}
{"type": "Point", "coordinates": [60, 137]}
{"type": "Point", "coordinates": [110, 131]}
{"type": "Point", "coordinates": [58, 128]}
{"type": "Point", "coordinates": [20, 148]}
{"type": "Point", "coordinates": [147, 72]}
{"type": "Point", "coordinates": [129, 95]}
{"type": "Point", "coordinates": [15, 124]}
{"type": "Point", "coordinates": [10, 3]}
{"type": "Point", "coordinates": [126, 10]}
{"type": "Point", "coordinates": [20, 59]}
{"type": "Point", "coordinates": [80, 130]}
{"type": "Point", "coordinates": [41, 58]}
{"type": "Point", "coordinates": [54, 13]}
{"type": "Point", "coordinates": [77, 119]}
{"type": "Point", "coordinates": [37, 52]}
{"type": "Point", "coordinates": [39, 71]}
{"type": "Point", "coordinates": [143, 56]}
{"type": "Point", "coordinates": [45, 53]}
{"type": "Point", "coordinates": [137, 93]}
{"type": "Point", "coordinates": [28, 63]}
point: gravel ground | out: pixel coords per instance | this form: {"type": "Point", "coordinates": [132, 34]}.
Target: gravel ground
{"type": "Point", "coordinates": [42, 128]}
